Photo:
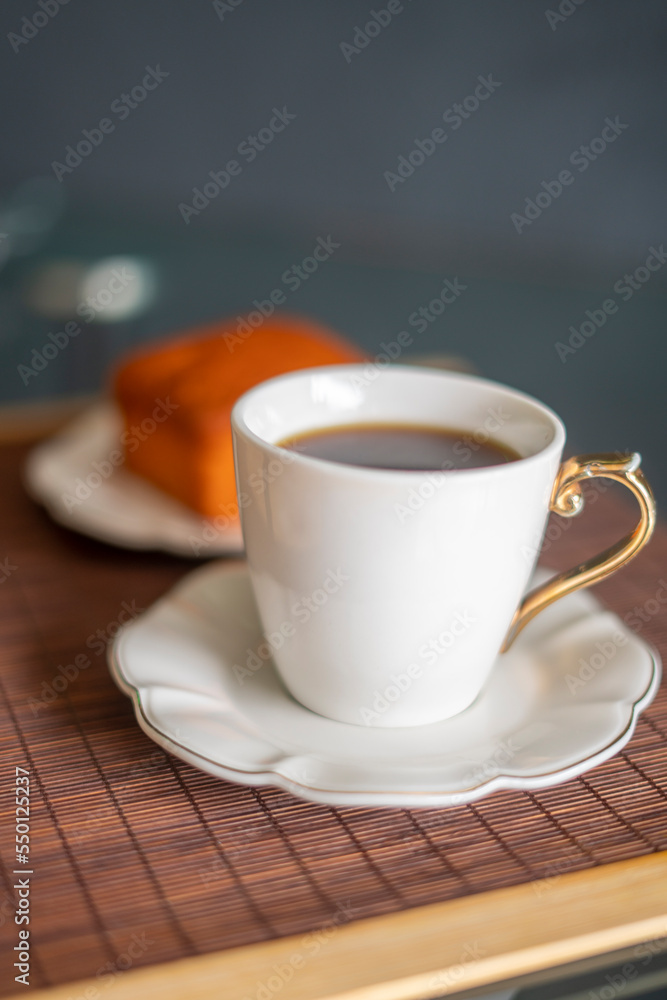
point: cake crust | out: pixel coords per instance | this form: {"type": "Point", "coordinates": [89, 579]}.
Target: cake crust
{"type": "Point", "coordinates": [193, 381]}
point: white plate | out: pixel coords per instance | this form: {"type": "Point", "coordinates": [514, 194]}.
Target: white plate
{"type": "Point", "coordinates": [530, 727]}
{"type": "Point", "coordinates": [120, 508]}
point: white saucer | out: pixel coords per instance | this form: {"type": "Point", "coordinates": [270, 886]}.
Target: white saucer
{"type": "Point", "coordinates": [122, 509]}
{"type": "Point", "coordinates": [527, 729]}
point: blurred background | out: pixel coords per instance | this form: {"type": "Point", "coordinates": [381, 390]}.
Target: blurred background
{"type": "Point", "coordinates": [516, 150]}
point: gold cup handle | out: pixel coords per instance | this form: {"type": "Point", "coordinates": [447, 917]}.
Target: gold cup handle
{"type": "Point", "coordinates": [567, 500]}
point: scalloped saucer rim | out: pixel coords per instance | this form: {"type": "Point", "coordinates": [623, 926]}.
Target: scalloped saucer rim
{"type": "Point", "coordinates": [175, 662]}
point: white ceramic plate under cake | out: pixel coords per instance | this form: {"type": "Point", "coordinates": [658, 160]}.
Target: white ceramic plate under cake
{"type": "Point", "coordinates": [563, 699]}
{"type": "Point", "coordinates": [64, 475]}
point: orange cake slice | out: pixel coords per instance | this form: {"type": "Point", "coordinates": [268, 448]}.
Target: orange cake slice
{"type": "Point", "coordinates": [176, 399]}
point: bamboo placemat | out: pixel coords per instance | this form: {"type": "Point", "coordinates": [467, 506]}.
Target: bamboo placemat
{"type": "Point", "coordinates": [139, 858]}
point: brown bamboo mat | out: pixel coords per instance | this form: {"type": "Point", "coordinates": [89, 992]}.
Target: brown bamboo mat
{"type": "Point", "coordinates": [139, 858]}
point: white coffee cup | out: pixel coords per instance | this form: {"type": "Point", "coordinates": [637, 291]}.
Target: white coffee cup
{"type": "Point", "coordinates": [386, 595]}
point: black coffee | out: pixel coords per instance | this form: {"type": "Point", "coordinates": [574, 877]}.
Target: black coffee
{"type": "Point", "coordinates": [402, 446]}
